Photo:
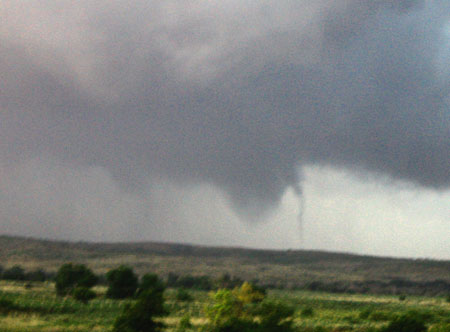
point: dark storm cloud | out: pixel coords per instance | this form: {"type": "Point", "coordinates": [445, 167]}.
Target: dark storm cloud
{"type": "Point", "coordinates": [238, 94]}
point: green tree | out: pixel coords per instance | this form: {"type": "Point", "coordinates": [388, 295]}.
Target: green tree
{"type": "Point", "coordinates": [245, 310]}
{"type": "Point", "coordinates": [83, 294]}
{"type": "Point", "coordinates": [183, 295]}
{"type": "Point", "coordinates": [275, 316]}
{"type": "Point", "coordinates": [140, 316]}
{"type": "Point", "coordinates": [226, 307]}
{"type": "Point", "coordinates": [151, 281]}
{"type": "Point", "coordinates": [406, 323]}
{"type": "Point", "coordinates": [14, 273]}
{"type": "Point", "coordinates": [122, 283]}
{"type": "Point", "coordinates": [70, 276]}
{"type": "Point", "coordinates": [184, 324]}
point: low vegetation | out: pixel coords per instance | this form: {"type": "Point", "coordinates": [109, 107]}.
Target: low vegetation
{"type": "Point", "coordinates": [153, 307]}
{"type": "Point", "coordinates": [96, 295]}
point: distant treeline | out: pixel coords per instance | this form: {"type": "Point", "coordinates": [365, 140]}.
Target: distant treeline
{"type": "Point", "coordinates": [395, 286]}
{"type": "Point", "coordinates": [17, 273]}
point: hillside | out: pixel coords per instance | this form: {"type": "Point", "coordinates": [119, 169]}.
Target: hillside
{"type": "Point", "coordinates": [289, 268]}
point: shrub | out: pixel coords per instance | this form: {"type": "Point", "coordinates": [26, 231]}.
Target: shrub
{"type": "Point", "coordinates": [139, 317]}
{"type": "Point", "coordinates": [307, 312]}
{"type": "Point", "coordinates": [379, 316]}
{"type": "Point", "coordinates": [275, 316]}
{"type": "Point", "coordinates": [83, 294]}
{"type": "Point", "coordinates": [6, 305]}
{"type": "Point", "coordinates": [226, 308]}
{"type": "Point", "coordinates": [199, 282]}
{"type": "Point", "coordinates": [248, 294]}
{"type": "Point", "coordinates": [235, 311]}
{"type": "Point", "coordinates": [36, 275]}
{"type": "Point", "coordinates": [183, 295]}
{"type": "Point", "coordinates": [122, 283]}
{"type": "Point", "coordinates": [151, 281]}
{"type": "Point", "coordinates": [365, 313]}
{"type": "Point", "coordinates": [14, 273]}
{"type": "Point", "coordinates": [442, 327]}
{"type": "Point", "coordinates": [172, 279]}
{"type": "Point", "coordinates": [406, 323]}
{"type": "Point", "coordinates": [70, 276]}
{"type": "Point", "coordinates": [184, 324]}
{"type": "Point", "coordinates": [236, 325]}
{"type": "Point", "coordinates": [402, 298]}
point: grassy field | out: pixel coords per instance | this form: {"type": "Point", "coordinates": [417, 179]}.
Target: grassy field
{"type": "Point", "coordinates": [39, 309]}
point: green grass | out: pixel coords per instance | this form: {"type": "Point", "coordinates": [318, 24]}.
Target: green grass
{"type": "Point", "coordinates": [39, 309]}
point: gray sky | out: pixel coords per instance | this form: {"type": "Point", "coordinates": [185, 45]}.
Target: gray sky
{"type": "Point", "coordinates": [219, 122]}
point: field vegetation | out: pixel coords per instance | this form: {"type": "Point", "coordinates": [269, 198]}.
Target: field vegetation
{"type": "Point", "coordinates": [62, 287]}
{"type": "Point", "coordinates": [38, 308]}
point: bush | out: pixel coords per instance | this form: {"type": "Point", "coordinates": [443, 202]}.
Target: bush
{"type": "Point", "coordinates": [442, 327]}
{"type": "Point", "coordinates": [402, 298]}
{"type": "Point", "coordinates": [122, 283]}
{"type": "Point", "coordinates": [275, 316]}
{"type": "Point", "coordinates": [151, 281]}
{"type": "Point", "coordinates": [236, 325]}
{"type": "Point", "coordinates": [183, 295]}
{"type": "Point", "coordinates": [406, 323]}
{"type": "Point", "coordinates": [36, 275]}
{"type": "Point", "coordinates": [172, 279]}
{"type": "Point", "coordinates": [379, 316]}
{"type": "Point", "coordinates": [226, 307]}
{"type": "Point", "coordinates": [248, 293]}
{"type": "Point", "coordinates": [307, 312]}
{"type": "Point", "coordinates": [235, 311]}
{"type": "Point", "coordinates": [83, 294]}
{"type": "Point", "coordinates": [365, 313]}
{"type": "Point", "coordinates": [14, 273]}
{"type": "Point", "coordinates": [139, 317]}
{"type": "Point", "coordinates": [6, 305]}
{"type": "Point", "coordinates": [184, 324]}
{"type": "Point", "coordinates": [200, 282]}
{"type": "Point", "coordinates": [71, 276]}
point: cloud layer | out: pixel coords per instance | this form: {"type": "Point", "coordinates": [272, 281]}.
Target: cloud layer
{"type": "Point", "coordinates": [239, 95]}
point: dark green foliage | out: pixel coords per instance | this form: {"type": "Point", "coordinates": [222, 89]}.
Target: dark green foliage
{"type": "Point", "coordinates": [199, 282]}
{"type": "Point", "coordinates": [184, 324]}
{"type": "Point", "coordinates": [6, 305]}
{"type": "Point", "coordinates": [83, 294]}
{"type": "Point", "coordinates": [36, 275]}
{"type": "Point", "coordinates": [227, 281]}
{"type": "Point", "coordinates": [448, 299]}
{"type": "Point", "coordinates": [234, 311]}
{"type": "Point", "coordinates": [402, 298]}
{"type": "Point", "coordinates": [122, 283]}
{"type": "Point", "coordinates": [275, 316]}
{"type": "Point", "coordinates": [151, 281]}
{"type": "Point", "coordinates": [14, 273]}
{"type": "Point", "coordinates": [406, 323]}
{"type": "Point", "coordinates": [365, 313]}
{"type": "Point", "coordinates": [70, 276]}
{"type": "Point", "coordinates": [139, 317]}
{"type": "Point", "coordinates": [236, 325]}
{"type": "Point", "coordinates": [183, 295]}
{"type": "Point", "coordinates": [172, 279]}
{"type": "Point", "coordinates": [307, 312]}
{"type": "Point", "coordinates": [379, 316]}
